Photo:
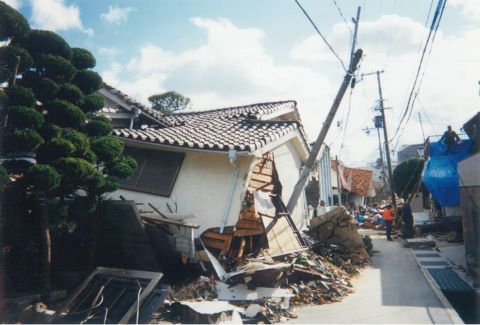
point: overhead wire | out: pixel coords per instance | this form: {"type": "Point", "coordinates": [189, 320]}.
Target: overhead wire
{"type": "Point", "coordinates": [342, 16]}
{"type": "Point", "coordinates": [321, 35]}
{"type": "Point", "coordinates": [429, 42]}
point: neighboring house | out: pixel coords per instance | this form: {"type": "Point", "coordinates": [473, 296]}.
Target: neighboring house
{"type": "Point", "coordinates": [357, 183]}
{"type": "Point", "coordinates": [319, 187]}
{"type": "Point", "coordinates": [410, 151]}
{"type": "Point", "coordinates": [204, 163]}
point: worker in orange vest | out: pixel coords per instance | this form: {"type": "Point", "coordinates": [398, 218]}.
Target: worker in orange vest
{"type": "Point", "coordinates": [388, 217]}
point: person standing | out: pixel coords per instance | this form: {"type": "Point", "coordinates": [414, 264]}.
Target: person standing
{"type": "Point", "coordinates": [450, 138]}
{"type": "Point", "coordinates": [388, 218]}
{"type": "Point", "coordinates": [407, 217]}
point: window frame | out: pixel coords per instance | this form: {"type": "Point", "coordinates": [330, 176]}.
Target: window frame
{"type": "Point", "coordinates": [141, 167]}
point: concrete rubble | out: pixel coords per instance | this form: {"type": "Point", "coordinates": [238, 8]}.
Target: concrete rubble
{"type": "Point", "coordinates": [267, 289]}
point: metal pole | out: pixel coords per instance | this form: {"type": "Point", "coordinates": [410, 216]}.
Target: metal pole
{"type": "Point", "coordinates": [387, 147]}
{"type": "Point", "coordinates": [292, 202]}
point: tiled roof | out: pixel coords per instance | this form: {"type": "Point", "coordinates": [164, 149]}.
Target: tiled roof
{"type": "Point", "coordinates": [355, 180]}
{"type": "Point", "coordinates": [239, 128]}
{"type": "Point", "coordinates": [360, 180]}
{"type": "Point", "coordinates": [153, 114]}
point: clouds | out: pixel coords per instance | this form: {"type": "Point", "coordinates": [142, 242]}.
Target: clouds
{"type": "Point", "coordinates": [56, 15]}
{"type": "Point", "coordinates": [470, 8]}
{"type": "Point", "coordinates": [230, 68]}
{"type": "Point", "coordinates": [116, 15]}
{"type": "Point", "coordinates": [233, 67]}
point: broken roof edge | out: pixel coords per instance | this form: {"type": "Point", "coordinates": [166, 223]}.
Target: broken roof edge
{"type": "Point", "coordinates": [160, 146]}
{"type": "Point", "coordinates": [129, 103]}
{"type": "Point", "coordinates": [301, 145]}
{"type": "Point", "coordinates": [222, 109]}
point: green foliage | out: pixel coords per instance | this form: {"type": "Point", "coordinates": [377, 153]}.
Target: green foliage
{"type": "Point", "coordinates": [70, 93]}
{"type": "Point", "coordinates": [24, 117]}
{"type": "Point", "coordinates": [43, 178]}
{"type": "Point", "coordinates": [88, 81]}
{"type": "Point", "coordinates": [123, 167]}
{"type": "Point", "coordinates": [5, 74]}
{"type": "Point", "coordinates": [90, 156]}
{"type": "Point", "coordinates": [46, 42]}
{"type": "Point", "coordinates": [3, 178]}
{"type": "Point", "coordinates": [45, 89]}
{"type": "Point", "coordinates": [20, 96]}
{"type": "Point", "coordinates": [169, 102]}
{"type": "Point", "coordinates": [92, 103]}
{"type": "Point", "coordinates": [107, 149]}
{"type": "Point", "coordinates": [79, 140]}
{"type": "Point", "coordinates": [55, 67]}
{"type": "Point", "coordinates": [65, 114]}
{"type": "Point", "coordinates": [97, 128]}
{"type": "Point", "coordinates": [406, 176]}
{"type": "Point", "coordinates": [79, 173]}
{"type": "Point", "coordinates": [49, 131]}
{"type": "Point", "coordinates": [82, 59]}
{"type": "Point", "coordinates": [55, 149]}
{"type": "Point", "coordinates": [12, 23]}
{"type": "Point", "coordinates": [110, 186]}
{"type": "Point", "coordinates": [20, 141]}
{"type": "Point", "coordinates": [11, 56]}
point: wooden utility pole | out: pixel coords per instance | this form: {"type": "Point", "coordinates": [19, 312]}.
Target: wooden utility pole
{"type": "Point", "coordinates": [383, 164]}
{"type": "Point", "coordinates": [355, 59]}
{"type": "Point", "coordinates": [387, 146]}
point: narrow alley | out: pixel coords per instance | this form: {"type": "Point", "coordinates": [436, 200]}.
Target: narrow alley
{"type": "Point", "coordinates": [392, 290]}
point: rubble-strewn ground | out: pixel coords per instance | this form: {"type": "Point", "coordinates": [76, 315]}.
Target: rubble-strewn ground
{"type": "Point", "coordinates": [320, 275]}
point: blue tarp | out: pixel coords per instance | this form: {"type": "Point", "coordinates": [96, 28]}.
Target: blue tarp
{"type": "Point", "coordinates": [440, 174]}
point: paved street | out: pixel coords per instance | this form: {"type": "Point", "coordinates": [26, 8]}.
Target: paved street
{"type": "Point", "coordinates": [391, 290]}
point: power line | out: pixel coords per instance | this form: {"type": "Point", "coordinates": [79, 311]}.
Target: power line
{"type": "Point", "coordinates": [341, 15]}
{"type": "Point", "coordinates": [433, 30]}
{"type": "Point", "coordinates": [321, 35]}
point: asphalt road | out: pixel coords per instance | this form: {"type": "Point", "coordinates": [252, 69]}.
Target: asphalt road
{"type": "Point", "coordinates": [391, 290]}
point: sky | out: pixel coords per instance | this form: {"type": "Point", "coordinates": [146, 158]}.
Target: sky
{"type": "Point", "coordinates": [223, 53]}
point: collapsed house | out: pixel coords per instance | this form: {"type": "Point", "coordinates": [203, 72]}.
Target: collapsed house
{"type": "Point", "coordinates": [356, 183]}
{"type": "Point", "coordinates": [227, 170]}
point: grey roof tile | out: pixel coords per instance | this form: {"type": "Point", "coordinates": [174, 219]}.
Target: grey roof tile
{"type": "Point", "coordinates": [240, 128]}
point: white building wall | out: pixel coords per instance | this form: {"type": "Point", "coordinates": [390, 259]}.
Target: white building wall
{"type": "Point", "coordinates": [288, 163]}
{"type": "Point", "coordinates": [359, 200]}
{"type": "Point", "coordinates": [325, 177]}
{"type": "Point", "coordinates": [201, 189]}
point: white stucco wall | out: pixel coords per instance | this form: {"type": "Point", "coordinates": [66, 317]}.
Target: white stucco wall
{"type": "Point", "coordinates": [288, 165]}
{"type": "Point", "coordinates": [201, 189]}
{"type": "Point", "coordinates": [357, 199]}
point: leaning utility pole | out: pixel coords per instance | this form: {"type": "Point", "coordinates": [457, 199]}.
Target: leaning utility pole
{"type": "Point", "coordinates": [383, 164]}
{"type": "Point", "coordinates": [354, 60]}
{"type": "Point", "coordinates": [387, 146]}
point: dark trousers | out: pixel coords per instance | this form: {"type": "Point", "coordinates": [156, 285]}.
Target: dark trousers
{"type": "Point", "coordinates": [388, 228]}
{"type": "Point", "coordinates": [450, 148]}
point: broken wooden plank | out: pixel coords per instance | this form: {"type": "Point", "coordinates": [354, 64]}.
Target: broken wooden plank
{"type": "Point", "coordinates": [169, 222]}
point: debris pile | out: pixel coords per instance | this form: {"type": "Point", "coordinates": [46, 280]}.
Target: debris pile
{"type": "Point", "coordinates": [316, 280]}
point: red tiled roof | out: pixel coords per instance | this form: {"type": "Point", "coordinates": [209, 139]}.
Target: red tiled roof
{"type": "Point", "coordinates": [355, 180]}
{"type": "Point", "coordinates": [239, 128]}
